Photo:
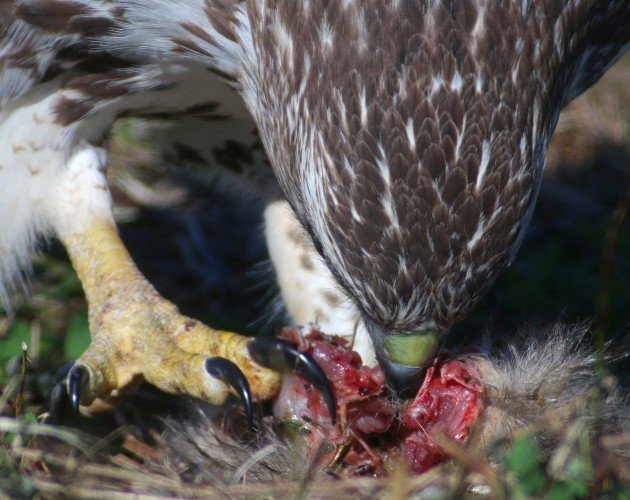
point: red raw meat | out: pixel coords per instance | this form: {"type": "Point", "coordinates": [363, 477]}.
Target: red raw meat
{"type": "Point", "coordinates": [448, 402]}
{"type": "Point", "coordinates": [367, 437]}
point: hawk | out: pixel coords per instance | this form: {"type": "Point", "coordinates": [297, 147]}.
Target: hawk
{"type": "Point", "coordinates": [400, 145]}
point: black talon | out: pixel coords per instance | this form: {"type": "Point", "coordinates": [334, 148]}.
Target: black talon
{"type": "Point", "coordinates": [62, 373]}
{"type": "Point", "coordinates": [58, 403]}
{"type": "Point", "coordinates": [230, 373]}
{"type": "Point", "coordinates": [58, 396]}
{"type": "Point", "coordinates": [282, 356]}
{"type": "Point", "coordinates": [75, 384]}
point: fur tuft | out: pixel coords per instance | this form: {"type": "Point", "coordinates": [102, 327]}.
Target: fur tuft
{"type": "Point", "coordinates": [210, 452]}
{"type": "Point", "coordinates": [545, 379]}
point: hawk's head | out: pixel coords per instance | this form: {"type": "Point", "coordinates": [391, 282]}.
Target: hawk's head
{"type": "Point", "coordinates": [409, 138]}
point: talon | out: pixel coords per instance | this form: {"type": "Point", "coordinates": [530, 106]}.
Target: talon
{"type": "Point", "coordinates": [75, 384]}
{"type": "Point", "coordinates": [58, 401]}
{"type": "Point", "coordinates": [282, 356]}
{"type": "Point", "coordinates": [68, 382]}
{"type": "Point", "coordinates": [62, 373]}
{"type": "Point", "coordinates": [230, 373]}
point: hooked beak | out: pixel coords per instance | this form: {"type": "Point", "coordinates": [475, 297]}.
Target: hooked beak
{"type": "Point", "coordinates": [403, 358]}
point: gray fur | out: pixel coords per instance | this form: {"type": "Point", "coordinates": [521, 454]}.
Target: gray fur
{"type": "Point", "coordinates": [546, 377]}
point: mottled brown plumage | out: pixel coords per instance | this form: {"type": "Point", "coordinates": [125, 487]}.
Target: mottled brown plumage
{"type": "Point", "coordinates": [410, 137]}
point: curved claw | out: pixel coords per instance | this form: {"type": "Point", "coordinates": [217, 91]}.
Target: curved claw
{"type": "Point", "coordinates": [62, 373]}
{"type": "Point", "coordinates": [282, 356]}
{"type": "Point", "coordinates": [67, 385]}
{"type": "Point", "coordinates": [231, 374]}
{"type": "Point", "coordinates": [58, 402]}
{"type": "Point", "coordinates": [75, 384]}
{"type": "Point", "coordinates": [58, 398]}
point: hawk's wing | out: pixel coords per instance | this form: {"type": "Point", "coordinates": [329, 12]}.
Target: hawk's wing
{"type": "Point", "coordinates": [28, 51]}
{"type": "Point", "coordinates": [597, 34]}
{"type": "Point", "coordinates": [42, 38]}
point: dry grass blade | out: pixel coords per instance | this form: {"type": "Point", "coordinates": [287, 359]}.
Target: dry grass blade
{"type": "Point", "coordinates": [473, 463]}
{"type": "Point", "coordinates": [617, 441]}
{"type": "Point", "coordinates": [51, 487]}
{"type": "Point", "coordinates": [74, 478]}
{"type": "Point", "coordinates": [67, 436]}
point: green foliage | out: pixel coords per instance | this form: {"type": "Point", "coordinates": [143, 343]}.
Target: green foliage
{"type": "Point", "coordinates": [11, 344]}
{"type": "Point", "coordinates": [530, 474]}
{"type": "Point", "coordinates": [12, 483]}
{"type": "Point", "coordinates": [61, 281]}
{"type": "Point", "coordinates": [524, 463]}
{"type": "Point", "coordinates": [77, 338]}
{"type": "Point", "coordinates": [30, 417]}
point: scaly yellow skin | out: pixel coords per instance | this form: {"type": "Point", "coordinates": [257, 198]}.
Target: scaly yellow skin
{"type": "Point", "coordinates": [138, 335]}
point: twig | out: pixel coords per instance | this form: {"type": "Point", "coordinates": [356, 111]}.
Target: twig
{"type": "Point", "coordinates": [22, 382]}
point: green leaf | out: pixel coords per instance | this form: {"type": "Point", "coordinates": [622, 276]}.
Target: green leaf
{"type": "Point", "coordinates": [523, 462]}
{"type": "Point", "coordinates": [11, 344]}
{"type": "Point", "coordinates": [560, 491]}
{"type": "Point", "coordinates": [579, 474]}
{"type": "Point", "coordinates": [77, 338]}
{"type": "Point", "coordinates": [31, 418]}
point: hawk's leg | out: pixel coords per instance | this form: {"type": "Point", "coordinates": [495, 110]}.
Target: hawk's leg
{"type": "Point", "coordinates": [308, 289]}
{"type": "Point", "coordinates": [136, 333]}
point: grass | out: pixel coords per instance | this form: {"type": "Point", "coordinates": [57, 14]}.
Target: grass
{"type": "Point", "coordinates": [41, 461]}
{"type": "Point", "coordinates": [574, 265]}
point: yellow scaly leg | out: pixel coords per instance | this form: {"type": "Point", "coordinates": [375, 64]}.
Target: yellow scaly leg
{"type": "Point", "coordinates": [137, 334]}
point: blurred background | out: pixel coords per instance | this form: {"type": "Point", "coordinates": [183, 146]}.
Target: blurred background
{"type": "Point", "coordinates": [205, 251]}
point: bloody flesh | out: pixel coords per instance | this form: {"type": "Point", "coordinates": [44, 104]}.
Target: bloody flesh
{"type": "Point", "coordinates": [371, 432]}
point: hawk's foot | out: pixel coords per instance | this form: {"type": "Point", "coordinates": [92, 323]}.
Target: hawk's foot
{"type": "Point", "coordinates": [138, 335]}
